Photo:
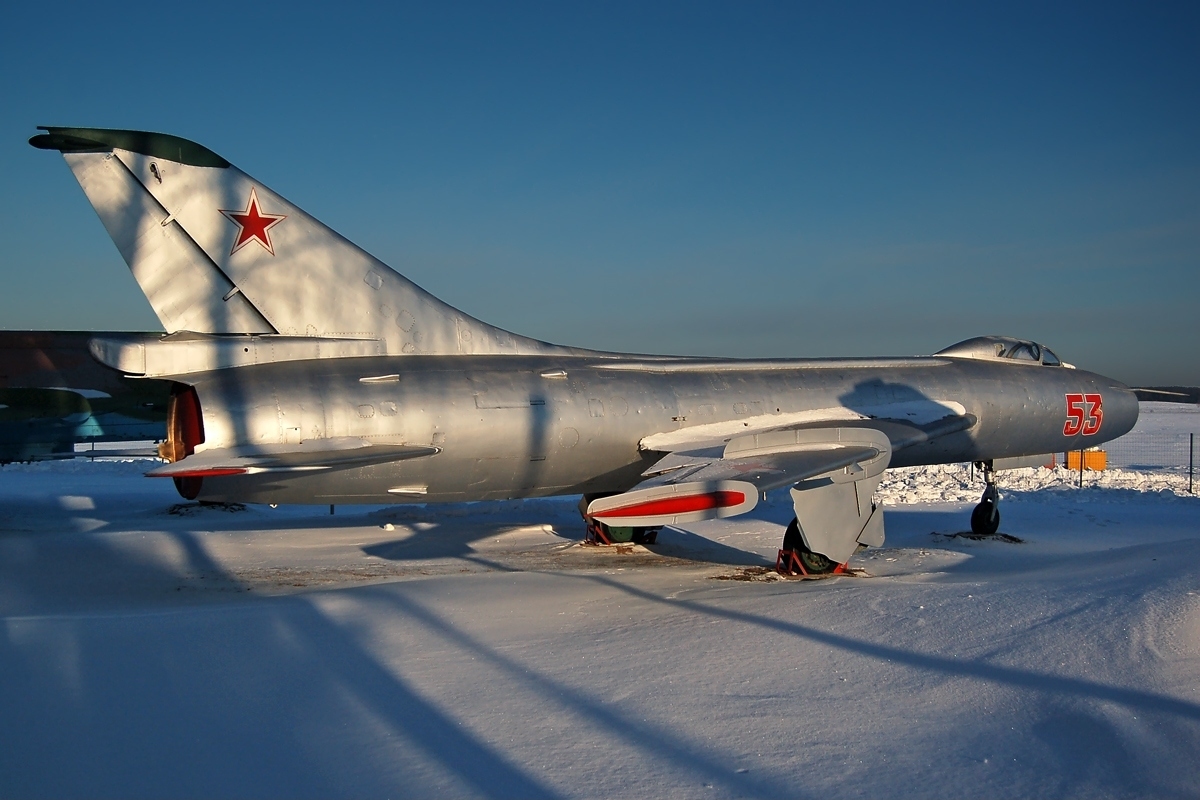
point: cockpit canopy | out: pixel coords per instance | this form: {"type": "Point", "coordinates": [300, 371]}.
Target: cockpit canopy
{"type": "Point", "coordinates": [1004, 348]}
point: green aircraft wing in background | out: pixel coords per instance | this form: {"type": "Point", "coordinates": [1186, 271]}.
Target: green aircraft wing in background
{"type": "Point", "coordinates": [54, 395]}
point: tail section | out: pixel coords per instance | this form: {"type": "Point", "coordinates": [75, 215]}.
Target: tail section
{"type": "Point", "coordinates": [217, 252]}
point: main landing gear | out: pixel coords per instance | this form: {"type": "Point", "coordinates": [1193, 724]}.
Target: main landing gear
{"type": "Point", "coordinates": [599, 533]}
{"type": "Point", "coordinates": [985, 519]}
{"type": "Point", "coordinates": [796, 559]}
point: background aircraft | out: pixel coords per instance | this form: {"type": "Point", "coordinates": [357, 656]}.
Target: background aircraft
{"type": "Point", "coordinates": [54, 395]}
{"type": "Point", "coordinates": [303, 370]}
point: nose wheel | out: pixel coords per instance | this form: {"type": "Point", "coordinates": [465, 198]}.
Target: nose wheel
{"type": "Point", "coordinates": [985, 518]}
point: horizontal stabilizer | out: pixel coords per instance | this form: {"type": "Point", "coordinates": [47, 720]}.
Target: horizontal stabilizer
{"type": "Point", "coordinates": [154, 355]}
{"type": "Point", "coordinates": [319, 454]}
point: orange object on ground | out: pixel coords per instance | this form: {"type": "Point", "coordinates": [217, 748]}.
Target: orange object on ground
{"type": "Point", "coordinates": [1095, 460]}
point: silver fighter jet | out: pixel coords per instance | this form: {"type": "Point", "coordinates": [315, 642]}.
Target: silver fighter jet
{"type": "Point", "coordinates": [306, 371]}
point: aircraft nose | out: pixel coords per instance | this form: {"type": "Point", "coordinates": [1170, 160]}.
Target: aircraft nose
{"type": "Point", "coordinates": [1120, 410]}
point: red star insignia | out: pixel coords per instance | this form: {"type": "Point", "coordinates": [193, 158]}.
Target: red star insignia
{"type": "Point", "coordinates": [253, 225]}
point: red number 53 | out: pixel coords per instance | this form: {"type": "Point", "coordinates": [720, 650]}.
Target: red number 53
{"type": "Point", "coordinates": [1085, 412]}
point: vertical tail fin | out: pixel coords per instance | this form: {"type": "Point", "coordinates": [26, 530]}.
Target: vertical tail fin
{"type": "Point", "coordinates": [217, 252]}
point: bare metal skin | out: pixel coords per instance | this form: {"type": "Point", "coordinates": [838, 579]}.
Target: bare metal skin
{"type": "Point", "coordinates": [307, 371]}
{"type": "Point", "coordinates": [580, 434]}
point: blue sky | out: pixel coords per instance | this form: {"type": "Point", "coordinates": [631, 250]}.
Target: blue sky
{"type": "Point", "coordinates": [736, 179]}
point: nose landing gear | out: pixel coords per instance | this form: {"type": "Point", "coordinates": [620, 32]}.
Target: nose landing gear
{"type": "Point", "coordinates": [985, 518]}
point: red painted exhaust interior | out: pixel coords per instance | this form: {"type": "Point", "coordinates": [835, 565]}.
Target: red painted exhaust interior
{"type": "Point", "coordinates": [186, 430]}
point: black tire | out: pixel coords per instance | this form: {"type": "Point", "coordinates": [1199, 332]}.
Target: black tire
{"type": "Point", "coordinates": [814, 563]}
{"type": "Point", "coordinates": [188, 488]}
{"type": "Point", "coordinates": [985, 519]}
{"type": "Point", "coordinates": [791, 537]}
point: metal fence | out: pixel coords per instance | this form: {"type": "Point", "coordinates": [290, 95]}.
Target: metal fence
{"type": "Point", "coordinates": [1154, 452]}
{"type": "Point", "coordinates": [1173, 453]}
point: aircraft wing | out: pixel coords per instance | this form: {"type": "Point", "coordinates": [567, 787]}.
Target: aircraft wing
{"type": "Point", "coordinates": [904, 434]}
{"type": "Point", "coordinates": [714, 482]}
{"type": "Point", "coordinates": [764, 470]}
{"type": "Point", "coordinates": [303, 457]}
{"type": "Point", "coordinates": [709, 481]}
{"type": "Point", "coordinates": [901, 430]}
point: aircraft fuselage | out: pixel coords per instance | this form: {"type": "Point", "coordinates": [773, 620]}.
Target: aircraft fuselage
{"type": "Point", "coordinates": [529, 426]}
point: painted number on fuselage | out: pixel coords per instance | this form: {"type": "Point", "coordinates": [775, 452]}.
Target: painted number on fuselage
{"type": "Point", "coordinates": [1085, 412]}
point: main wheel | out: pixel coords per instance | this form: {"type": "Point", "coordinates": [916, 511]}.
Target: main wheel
{"type": "Point", "coordinates": [985, 519]}
{"type": "Point", "coordinates": [815, 563]}
{"type": "Point", "coordinates": [619, 534]}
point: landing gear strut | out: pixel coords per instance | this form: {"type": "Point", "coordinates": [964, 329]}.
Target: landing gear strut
{"type": "Point", "coordinates": [796, 559]}
{"type": "Point", "coordinates": [985, 519]}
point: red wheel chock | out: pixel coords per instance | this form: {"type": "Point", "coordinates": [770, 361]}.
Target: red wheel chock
{"type": "Point", "coordinates": [788, 564]}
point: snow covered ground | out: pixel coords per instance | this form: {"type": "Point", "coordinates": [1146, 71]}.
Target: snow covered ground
{"type": "Point", "coordinates": [152, 649]}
